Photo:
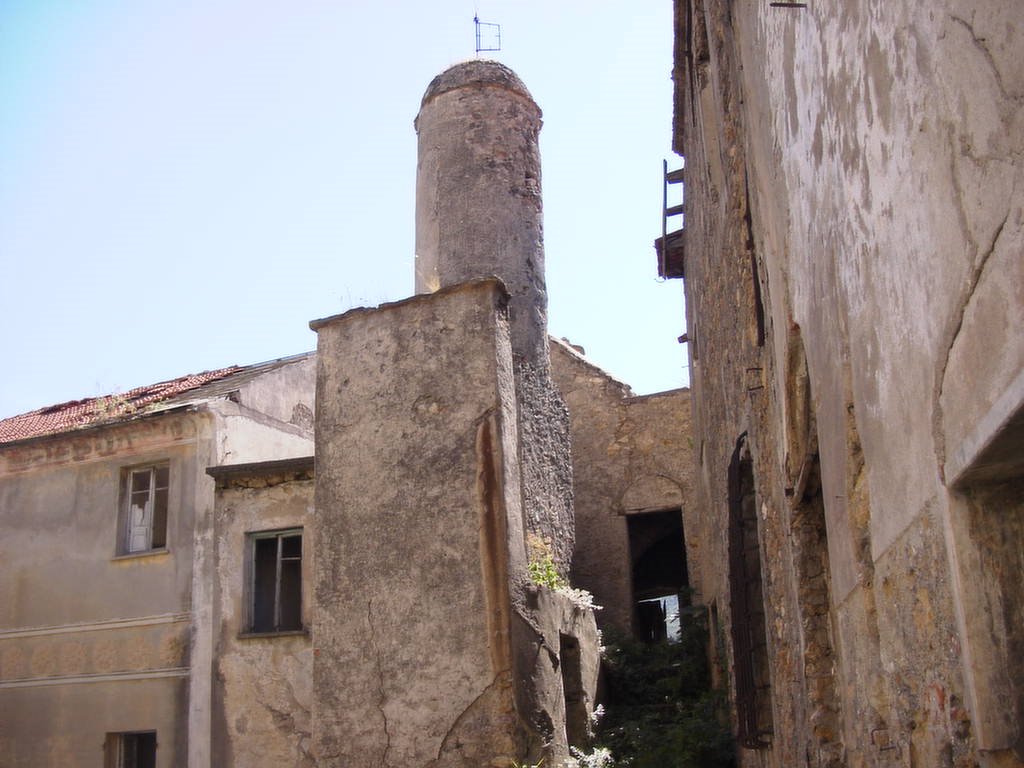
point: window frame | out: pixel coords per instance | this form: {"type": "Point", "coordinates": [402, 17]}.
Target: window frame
{"type": "Point", "coordinates": [159, 514]}
{"type": "Point", "coordinates": [251, 576]}
{"type": "Point", "coordinates": [116, 744]}
{"type": "Point", "coordinates": [748, 609]}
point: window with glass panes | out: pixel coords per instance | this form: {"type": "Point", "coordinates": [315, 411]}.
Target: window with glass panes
{"type": "Point", "coordinates": [276, 581]}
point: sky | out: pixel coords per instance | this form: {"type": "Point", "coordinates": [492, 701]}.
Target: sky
{"type": "Point", "coordinates": [184, 186]}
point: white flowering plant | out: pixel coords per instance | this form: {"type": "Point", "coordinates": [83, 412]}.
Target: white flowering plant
{"type": "Point", "coordinates": [578, 597]}
{"type": "Point", "coordinates": [600, 757]}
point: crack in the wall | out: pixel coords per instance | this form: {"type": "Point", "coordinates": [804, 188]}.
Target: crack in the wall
{"type": "Point", "coordinates": [380, 683]}
{"type": "Point", "coordinates": [285, 722]}
{"type": "Point", "coordinates": [956, 325]}
{"type": "Point", "coordinates": [303, 737]}
{"type": "Point", "coordinates": [450, 733]}
{"type": "Point", "coordinates": [979, 43]}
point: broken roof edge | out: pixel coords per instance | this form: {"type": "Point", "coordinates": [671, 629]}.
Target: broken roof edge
{"type": "Point", "coordinates": [76, 416]}
{"type": "Point", "coordinates": [663, 393]}
{"type": "Point", "coordinates": [97, 426]}
{"type": "Point", "coordinates": [567, 348]}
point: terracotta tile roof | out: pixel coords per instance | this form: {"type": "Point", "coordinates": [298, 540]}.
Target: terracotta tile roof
{"type": "Point", "coordinates": [78, 414]}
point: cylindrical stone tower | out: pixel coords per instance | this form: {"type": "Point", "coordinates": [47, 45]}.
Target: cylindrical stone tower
{"type": "Point", "coordinates": [479, 214]}
{"type": "Point", "coordinates": [478, 200]}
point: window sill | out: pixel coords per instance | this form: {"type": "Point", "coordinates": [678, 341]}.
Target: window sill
{"type": "Point", "coordinates": [136, 555]}
{"type": "Point", "coordinates": [264, 635]}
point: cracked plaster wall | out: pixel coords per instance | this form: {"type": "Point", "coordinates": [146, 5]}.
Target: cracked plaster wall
{"type": "Point", "coordinates": [263, 686]}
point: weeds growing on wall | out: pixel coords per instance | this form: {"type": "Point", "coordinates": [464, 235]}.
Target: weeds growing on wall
{"type": "Point", "coordinates": [661, 712]}
{"type": "Point", "coordinates": [541, 564]}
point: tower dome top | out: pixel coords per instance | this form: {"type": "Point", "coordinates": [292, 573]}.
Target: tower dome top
{"type": "Point", "coordinates": [475, 72]}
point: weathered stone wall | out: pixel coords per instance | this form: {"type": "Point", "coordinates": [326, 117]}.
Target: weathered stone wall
{"type": "Point", "coordinates": [429, 649]}
{"type": "Point", "coordinates": [853, 279]}
{"type": "Point", "coordinates": [411, 614]}
{"type": "Point", "coordinates": [630, 454]}
{"type": "Point", "coordinates": [263, 685]}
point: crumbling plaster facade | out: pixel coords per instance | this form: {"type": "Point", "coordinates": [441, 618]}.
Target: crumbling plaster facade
{"type": "Point", "coordinates": [263, 684]}
{"type": "Point", "coordinates": [855, 293]}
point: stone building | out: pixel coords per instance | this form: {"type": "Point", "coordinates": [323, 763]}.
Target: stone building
{"type": "Point", "coordinates": [185, 584]}
{"type": "Point", "coordinates": [854, 281]}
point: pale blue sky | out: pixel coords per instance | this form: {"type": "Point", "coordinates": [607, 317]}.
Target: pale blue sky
{"type": "Point", "coordinates": [183, 186]}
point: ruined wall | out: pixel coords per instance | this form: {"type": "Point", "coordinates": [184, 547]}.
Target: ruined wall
{"type": "Point", "coordinates": [263, 688]}
{"type": "Point", "coordinates": [413, 410]}
{"type": "Point", "coordinates": [269, 415]}
{"type": "Point", "coordinates": [853, 277]}
{"type": "Point", "coordinates": [630, 455]}
{"type": "Point", "coordinates": [246, 436]}
{"type": "Point", "coordinates": [449, 659]}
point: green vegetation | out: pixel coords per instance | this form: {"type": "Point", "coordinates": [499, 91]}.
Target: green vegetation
{"type": "Point", "coordinates": [541, 565]}
{"type": "Point", "coordinates": [661, 712]}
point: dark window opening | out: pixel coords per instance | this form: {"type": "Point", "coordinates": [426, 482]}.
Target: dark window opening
{"type": "Point", "coordinates": [131, 750]}
{"type": "Point", "coordinates": [758, 300]}
{"type": "Point", "coordinates": [659, 573]}
{"type": "Point", "coordinates": [754, 272]}
{"type": "Point", "coordinates": [276, 604]}
{"type": "Point", "coordinates": [576, 720]}
{"type": "Point", "coordinates": [748, 623]}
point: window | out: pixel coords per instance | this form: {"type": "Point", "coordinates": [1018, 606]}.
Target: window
{"type": "Point", "coordinates": [276, 583]}
{"type": "Point", "coordinates": [131, 750]}
{"type": "Point", "coordinates": [577, 721]}
{"type": "Point", "coordinates": [749, 626]}
{"type": "Point", "coordinates": [144, 508]}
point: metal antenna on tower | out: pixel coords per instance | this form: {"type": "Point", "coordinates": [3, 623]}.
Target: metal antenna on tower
{"type": "Point", "coordinates": [488, 36]}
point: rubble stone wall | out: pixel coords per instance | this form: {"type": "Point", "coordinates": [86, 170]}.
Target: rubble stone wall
{"type": "Point", "coordinates": [630, 455]}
